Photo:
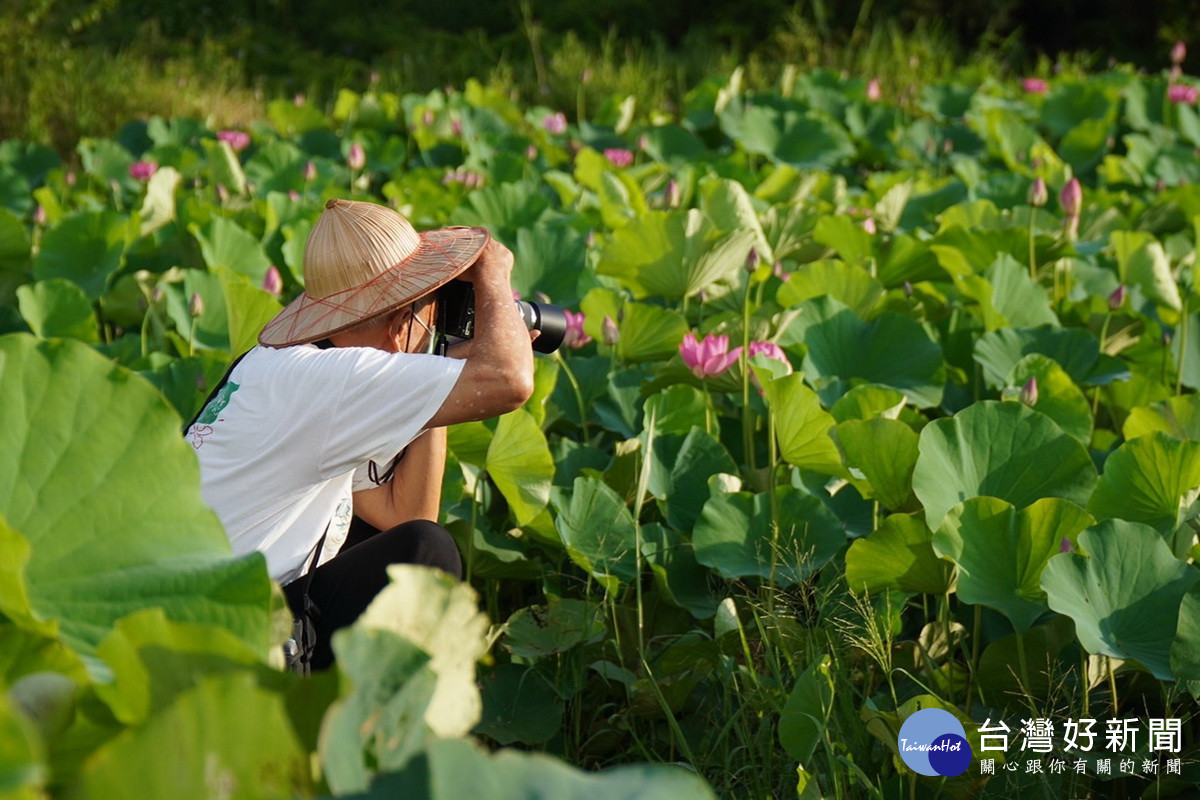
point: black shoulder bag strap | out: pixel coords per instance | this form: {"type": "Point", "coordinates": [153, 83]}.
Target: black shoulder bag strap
{"type": "Point", "coordinates": [298, 651]}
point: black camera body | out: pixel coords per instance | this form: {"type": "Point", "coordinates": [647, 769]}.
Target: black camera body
{"type": "Point", "coordinates": [456, 316]}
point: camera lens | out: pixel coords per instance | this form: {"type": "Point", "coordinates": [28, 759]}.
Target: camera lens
{"type": "Point", "coordinates": [549, 320]}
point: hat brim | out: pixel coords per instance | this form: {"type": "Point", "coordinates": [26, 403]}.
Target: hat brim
{"type": "Point", "coordinates": [441, 256]}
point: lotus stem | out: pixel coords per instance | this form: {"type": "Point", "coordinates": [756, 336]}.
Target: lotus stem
{"type": "Point", "coordinates": [1112, 684]}
{"type": "Point", "coordinates": [1184, 324]}
{"type": "Point", "coordinates": [1032, 247]}
{"type": "Point", "coordinates": [576, 391]}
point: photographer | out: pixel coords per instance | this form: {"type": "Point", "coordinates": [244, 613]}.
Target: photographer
{"type": "Point", "coordinates": [341, 412]}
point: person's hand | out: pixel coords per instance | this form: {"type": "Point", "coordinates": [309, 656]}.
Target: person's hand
{"type": "Point", "coordinates": [495, 262]}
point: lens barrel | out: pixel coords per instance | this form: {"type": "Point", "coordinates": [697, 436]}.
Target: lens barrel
{"type": "Point", "coordinates": [549, 320]}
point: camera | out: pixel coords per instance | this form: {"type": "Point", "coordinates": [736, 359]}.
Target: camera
{"type": "Point", "coordinates": [456, 317]}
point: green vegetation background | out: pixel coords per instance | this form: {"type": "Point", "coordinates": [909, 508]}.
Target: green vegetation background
{"type": "Point", "coordinates": [73, 68]}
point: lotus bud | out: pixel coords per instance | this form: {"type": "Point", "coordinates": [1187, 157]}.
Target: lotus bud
{"type": "Point", "coordinates": [158, 295]}
{"type": "Point", "coordinates": [357, 157]}
{"type": "Point", "coordinates": [531, 153]}
{"type": "Point", "coordinates": [671, 195]}
{"type": "Point", "coordinates": [752, 260]}
{"type": "Point", "coordinates": [1039, 195]}
{"type": "Point", "coordinates": [586, 75]}
{"type": "Point", "coordinates": [39, 215]}
{"type": "Point", "coordinates": [1117, 298]}
{"type": "Point", "coordinates": [1029, 392]}
{"type": "Point", "coordinates": [222, 194]}
{"type": "Point", "coordinates": [1071, 198]}
{"type": "Point", "coordinates": [1065, 546]}
{"type": "Point", "coordinates": [427, 118]}
{"type": "Point", "coordinates": [456, 127]}
{"type": "Point", "coordinates": [70, 177]}
{"type": "Point", "coordinates": [273, 281]}
{"type": "Point", "coordinates": [1034, 86]}
{"type": "Point", "coordinates": [298, 99]}
{"type": "Point", "coordinates": [196, 305]}
{"type": "Point", "coordinates": [310, 171]}
{"type": "Point", "coordinates": [618, 157]}
{"type": "Point", "coordinates": [293, 195]}
{"type": "Point", "coordinates": [874, 92]}
{"type": "Point", "coordinates": [1178, 53]}
{"type": "Point", "coordinates": [237, 140]}
{"type": "Point", "coordinates": [555, 123]}
{"type": "Point", "coordinates": [142, 170]}
{"type": "Point", "coordinates": [908, 290]}
{"type": "Point", "coordinates": [609, 332]}
{"type": "Point", "coordinates": [868, 225]}
{"type": "Point", "coordinates": [374, 77]}
{"type": "Point", "coordinates": [777, 269]}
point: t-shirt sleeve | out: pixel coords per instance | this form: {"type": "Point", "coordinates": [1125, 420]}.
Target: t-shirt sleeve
{"type": "Point", "coordinates": [385, 401]}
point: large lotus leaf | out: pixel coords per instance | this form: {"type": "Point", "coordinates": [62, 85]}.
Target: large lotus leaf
{"type": "Point", "coordinates": [676, 409]}
{"type": "Point", "coordinates": [1177, 416]}
{"type": "Point", "coordinates": [801, 425]}
{"type": "Point", "coordinates": [1000, 675]}
{"type": "Point", "coordinates": [57, 307]}
{"type": "Point", "coordinates": [804, 715]}
{"type": "Point", "coordinates": [94, 474]}
{"type": "Point", "coordinates": [153, 660]}
{"type": "Point", "coordinates": [843, 350]}
{"type": "Point", "coordinates": [1075, 350]}
{"type": "Point", "coordinates": [868, 401]}
{"type": "Point", "coordinates": [728, 204]}
{"type": "Point", "coordinates": [849, 240]}
{"type": "Point", "coordinates": [454, 769]}
{"type": "Point", "coordinates": [503, 209]}
{"type": "Point", "coordinates": [677, 573]}
{"type": "Point", "coordinates": [519, 705]}
{"type": "Point", "coordinates": [277, 166]}
{"type": "Point", "coordinates": [247, 308]}
{"type": "Point", "coordinates": [23, 770]}
{"type": "Point", "coordinates": [1001, 550]}
{"type": "Point", "coordinates": [1002, 450]}
{"type": "Point", "coordinates": [679, 471]}
{"type": "Point", "coordinates": [381, 725]}
{"type": "Point", "coordinates": [87, 247]}
{"type": "Point", "coordinates": [598, 531]}
{"type": "Point", "coordinates": [853, 286]}
{"type": "Point", "coordinates": [1151, 479]}
{"type": "Point", "coordinates": [735, 535]}
{"type": "Point", "coordinates": [158, 207]}
{"type": "Point", "coordinates": [224, 733]}
{"type": "Point", "coordinates": [1185, 348]}
{"type": "Point", "coordinates": [440, 616]}
{"type": "Point", "coordinates": [518, 459]}
{"type": "Point", "coordinates": [1057, 395]}
{"type": "Point", "coordinates": [1185, 650]}
{"type": "Point", "coordinates": [884, 451]}
{"type": "Point", "coordinates": [1021, 302]}
{"type": "Point", "coordinates": [897, 555]}
{"type": "Point", "coordinates": [1143, 262]}
{"type": "Point", "coordinates": [15, 252]}
{"type": "Point", "coordinates": [538, 631]}
{"type": "Point", "coordinates": [224, 169]}
{"type": "Point", "coordinates": [549, 258]}
{"type": "Point", "coordinates": [649, 333]}
{"type": "Point", "coordinates": [673, 254]}
{"type": "Point", "coordinates": [226, 244]}
{"type": "Point", "coordinates": [788, 133]}
{"type": "Point", "coordinates": [1123, 592]}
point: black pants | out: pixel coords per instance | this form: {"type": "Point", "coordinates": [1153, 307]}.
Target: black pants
{"type": "Point", "coordinates": [343, 587]}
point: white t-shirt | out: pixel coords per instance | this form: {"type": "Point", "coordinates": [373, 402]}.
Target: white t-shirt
{"type": "Point", "coordinates": [279, 446]}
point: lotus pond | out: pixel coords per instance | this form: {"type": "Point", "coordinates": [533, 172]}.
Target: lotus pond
{"type": "Point", "coordinates": [873, 407]}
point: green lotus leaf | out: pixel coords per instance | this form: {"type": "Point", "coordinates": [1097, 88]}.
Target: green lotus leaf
{"type": "Point", "coordinates": [1021, 302]}
{"type": "Point", "coordinates": [1143, 262]}
{"type": "Point", "coordinates": [57, 307]}
{"type": "Point", "coordinates": [679, 471]}
{"type": "Point", "coordinates": [503, 209]}
{"type": "Point", "coordinates": [1185, 348]}
{"type": "Point", "coordinates": [728, 204]}
{"type": "Point", "coordinates": [1057, 395]}
{"type": "Point", "coordinates": [1074, 349]}
{"type": "Point", "coordinates": [158, 207]}
{"type": "Point", "coordinates": [1002, 450]}
{"type": "Point", "coordinates": [129, 530]}
{"type": "Point", "coordinates": [677, 573]}
{"type": "Point", "coordinates": [848, 284]}
{"type": "Point", "coordinates": [518, 459]}
{"type": "Point", "coordinates": [897, 555]}
{"type": "Point", "coordinates": [87, 247]}
{"type": "Point", "coordinates": [277, 166]}
{"type": "Point", "coordinates": [843, 350]}
{"type": "Point", "coordinates": [868, 401]}
{"type": "Point", "coordinates": [1001, 550]}
{"type": "Point", "coordinates": [519, 705]}
{"type": "Point", "coordinates": [676, 409]}
{"type": "Point", "coordinates": [224, 169]}
{"type": "Point", "coordinates": [1151, 479]}
{"type": "Point", "coordinates": [225, 244]}
{"type": "Point", "coordinates": [1185, 650]}
{"type": "Point", "coordinates": [801, 425]}
{"type": "Point", "coordinates": [247, 307]}
{"type": "Point", "coordinates": [1177, 416]}
{"type": "Point", "coordinates": [849, 240]}
{"type": "Point", "coordinates": [649, 333]}
{"type": "Point", "coordinates": [439, 615]}
{"type": "Point", "coordinates": [673, 254]}
{"type": "Point", "coordinates": [549, 258]}
{"type": "Point", "coordinates": [804, 715]}
{"type": "Point", "coordinates": [1125, 578]}
{"type": "Point", "coordinates": [598, 531]}
{"type": "Point", "coordinates": [1000, 676]}
{"type": "Point", "coordinates": [787, 133]}
{"type": "Point", "coordinates": [884, 451]}
{"type": "Point", "coordinates": [735, 536]}
{"type": "Point", "coordinates": [242, 730]}
{"type": "Point", "coordinates": [538, 631]}
{"type": "Point", "coordinates": [453, 769]}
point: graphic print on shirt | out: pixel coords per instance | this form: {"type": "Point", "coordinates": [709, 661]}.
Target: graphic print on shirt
{"type": "Point", "coordinates": [212, 413]}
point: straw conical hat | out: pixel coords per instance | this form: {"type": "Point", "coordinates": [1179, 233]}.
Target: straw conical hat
{"type": "Point", "coordinates": [363, 260]}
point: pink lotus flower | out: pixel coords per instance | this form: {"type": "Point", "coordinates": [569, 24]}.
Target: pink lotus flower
{"type": "Point", "coordinates": [575, 337]}
{"type": "Point", "coordinates": [356, 159]}
{"type": "Point", "coordinates": [1071, 198]}
{"type": "Point", "coordinates": [555, 123]}
{"type": "Point", "coordinates": [1035, 86]}
{"type": "Point", "coordinates": [1178, 53]}
{"type": "Point", "coordinates": [710, 357]}
{"type": "Point", "coordinates": [1183, 94]}
{"type": "Point", "coordinates": [273, 281]}
{"type": "Point", "coordinates": [874, 93]}
{"type": "Point", "coordinates": [237, 140]}
{"type": "Point", "coordinates": [618, 157]}
{"type": "Point", "coordinates": [770, 350]}
{"type": "Point", "coordinates": [142, 170]}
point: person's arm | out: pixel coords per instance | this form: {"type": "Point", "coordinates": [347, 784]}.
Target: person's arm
{"type": "Point", "coordinates": [415, 490]}
{"type": "Point", "coordinates": [497, 376]}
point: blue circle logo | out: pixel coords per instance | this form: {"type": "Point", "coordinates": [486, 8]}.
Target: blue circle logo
{"type": "Point", "coordinates": [932, 742]}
